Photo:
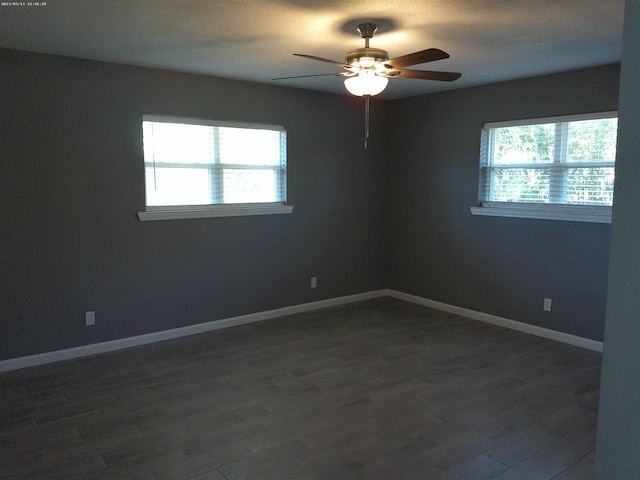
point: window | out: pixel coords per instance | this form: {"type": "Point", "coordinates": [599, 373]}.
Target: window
{"type": "Point", "coordinates": [200, 168]}
{"type": "Point", "coordinates": [558, 168]}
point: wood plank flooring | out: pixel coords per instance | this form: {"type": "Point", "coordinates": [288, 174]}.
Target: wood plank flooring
{"type": "Point", "coordinates": [380, 389]}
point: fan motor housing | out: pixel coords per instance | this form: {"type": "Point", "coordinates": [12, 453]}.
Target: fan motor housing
{"type": "Point", "coordinates": [377, 54]}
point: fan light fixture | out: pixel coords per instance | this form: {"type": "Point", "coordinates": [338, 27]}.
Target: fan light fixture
{"type": "Point", "coordinates": [366, 83]}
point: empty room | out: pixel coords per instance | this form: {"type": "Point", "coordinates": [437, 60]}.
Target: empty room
{"type": "Point", "coordinates": [343, 240]}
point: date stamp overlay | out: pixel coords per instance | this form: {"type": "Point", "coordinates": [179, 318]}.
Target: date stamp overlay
{"type": "Point", "coordinates": [23, 4]}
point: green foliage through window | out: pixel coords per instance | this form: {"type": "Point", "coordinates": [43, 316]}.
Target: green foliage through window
{"type": "Point", "coordinates": [566, 160]}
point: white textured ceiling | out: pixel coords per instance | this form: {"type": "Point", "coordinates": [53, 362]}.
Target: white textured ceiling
{"type": "Point", "coordinates": [488, 40]}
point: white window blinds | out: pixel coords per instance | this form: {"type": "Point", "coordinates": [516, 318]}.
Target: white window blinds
{"type": "Point", "coordinates": [198, 162]}
{"type": "Point", "coordinates": [559, 161]}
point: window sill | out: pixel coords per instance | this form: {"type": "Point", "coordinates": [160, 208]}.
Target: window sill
{"type": "Point", "coordinates": [546, 212]}
{"type": "Point", "coordinates": [239, 210]}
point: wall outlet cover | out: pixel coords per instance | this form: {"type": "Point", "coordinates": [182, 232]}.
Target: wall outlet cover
{"type": "Point", "coordinates": [90, 318]}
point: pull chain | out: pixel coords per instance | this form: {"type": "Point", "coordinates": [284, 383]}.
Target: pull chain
{"type": "Point", "coordinates": [366, 119]}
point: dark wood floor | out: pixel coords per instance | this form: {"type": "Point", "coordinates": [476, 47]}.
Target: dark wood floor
{"type": "Point", "coordinates": [375, 390]}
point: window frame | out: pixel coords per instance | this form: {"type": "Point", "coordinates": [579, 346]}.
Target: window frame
{"type": "Point", "coordinates": [174, 212]}
{"type": "Point", "coordinates": [558, 168]}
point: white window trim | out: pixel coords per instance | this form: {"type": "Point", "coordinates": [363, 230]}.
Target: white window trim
{"type": "Point", "coordinates": [210, 123]}
{"type": "Point", "coordinates": [178, 212]}
{"type": "Point", "coordinates": [547, 211]}
{"type": "Point", "coordinates": [210, 211]}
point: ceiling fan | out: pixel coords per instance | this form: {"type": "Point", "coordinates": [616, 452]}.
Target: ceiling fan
{"type": "Point", "coordinates": [367, 70]}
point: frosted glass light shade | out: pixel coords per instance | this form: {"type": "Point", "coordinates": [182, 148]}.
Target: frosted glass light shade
{"type": "Point", "coordinates": [366, 83]}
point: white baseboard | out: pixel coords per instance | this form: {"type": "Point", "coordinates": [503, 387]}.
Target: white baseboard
{"type": "Point", "coordinates": [502, 322]}
{"type": "Point", "coordinates": [95, 348]}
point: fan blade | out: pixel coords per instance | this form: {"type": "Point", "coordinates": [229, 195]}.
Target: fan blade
{"type": "Point", "coordinates": [326, 60]}
{"type": "Point", "coordinates": [416, 58]}
{"type": "Point", "coordinates": [426, 75]}
{"type": "Point", "coordinates": [338, 74]}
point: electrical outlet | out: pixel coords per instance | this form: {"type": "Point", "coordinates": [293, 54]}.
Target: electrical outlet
{"type": "Point", "coordinates": [89, 318]}
{"type": "Point", "coordinates": [314, 282]}
{"type": "Point", "coordinates": [546, 306]}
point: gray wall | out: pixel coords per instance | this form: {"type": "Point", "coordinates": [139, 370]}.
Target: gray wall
{"type": "Point", "coordinates": [71, 182]}
{"type": "Point", "coordinates": [618, 444]}
{"type": "Point", "coordinates": [501, 266]}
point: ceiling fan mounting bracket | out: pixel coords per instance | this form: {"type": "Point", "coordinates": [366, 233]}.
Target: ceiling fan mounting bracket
{"type": "Point", "coordinates": [367, 30]}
